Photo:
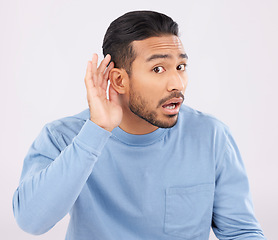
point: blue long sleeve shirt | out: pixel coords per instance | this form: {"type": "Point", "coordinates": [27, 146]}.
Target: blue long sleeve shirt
{"type": "Point", "coordinates": [173, 183]}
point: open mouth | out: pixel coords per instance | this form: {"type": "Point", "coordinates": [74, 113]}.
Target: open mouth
{"type": "Point", "coordinates": [172, 106]}
{"type": "Point", "coordinates": [172, 103]}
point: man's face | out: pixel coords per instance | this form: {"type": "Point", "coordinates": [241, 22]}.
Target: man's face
{"type": "Point", "coordinates": [158, 80]}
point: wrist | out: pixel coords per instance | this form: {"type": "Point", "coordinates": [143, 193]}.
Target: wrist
{"type": "Point", "coordinates": [107, 128]}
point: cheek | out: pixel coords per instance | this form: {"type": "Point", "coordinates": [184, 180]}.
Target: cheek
{"type": "Point", "coordinates": [151, 88]}
{"type": "Point", "coordinates": [185, 84]}
{"type": "Point", "coordinates": [146, 83]}
{"type": "Point", "coordinates": [185, 81]}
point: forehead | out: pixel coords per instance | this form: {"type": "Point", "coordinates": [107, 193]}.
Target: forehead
{"type": "Point", "coordinates": [169, 44]}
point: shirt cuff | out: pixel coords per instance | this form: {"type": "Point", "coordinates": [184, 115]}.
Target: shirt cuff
{"type": "Point", "coordinates": [93, 136]}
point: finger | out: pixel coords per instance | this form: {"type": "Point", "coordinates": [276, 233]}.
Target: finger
{"type": "Point", "coordinates": [88, 77]}
{"type": "Point", "coordinates": [94, 63]}
{"type": "Point", "coordinates": [102, 68]}
{"type": "Point", "coordinates": [104, 64]}
{"type": "Point", "coordinates": [89, 70]}
{"type": "Point", "coordinates": [106, 75]}
{"type": "Point", "coordinates": [108, 69]}
{"type": "Point", "coordinates": [94, 68]}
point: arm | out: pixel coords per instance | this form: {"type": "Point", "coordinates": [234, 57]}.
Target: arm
{"type": "Point", "coordinates": [233, 215]}
{"type": "Point", "coordinates": [53, 178]}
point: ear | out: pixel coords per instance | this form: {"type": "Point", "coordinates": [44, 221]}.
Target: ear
{"type": "Point", "coordinates": [119, 80]}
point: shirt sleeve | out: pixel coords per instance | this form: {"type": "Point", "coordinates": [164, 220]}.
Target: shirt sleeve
{"type": "Point", "coordinates": [233, 215]}
{"type": "Point", "coordinates": [52, 178]}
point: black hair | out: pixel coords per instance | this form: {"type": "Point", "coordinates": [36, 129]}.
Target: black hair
{"type": "Point", "coordinates": [133, 26]}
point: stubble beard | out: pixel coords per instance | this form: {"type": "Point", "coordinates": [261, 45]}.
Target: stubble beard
{"type": "Point", "coordinates": [138, 106]}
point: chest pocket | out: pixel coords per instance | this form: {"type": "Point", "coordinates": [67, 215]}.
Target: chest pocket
{"type": "Point", "coordinates": [189, 210]}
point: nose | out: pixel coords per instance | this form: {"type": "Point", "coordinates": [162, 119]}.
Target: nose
{"type": "Point", "coordinates": [177, 82]}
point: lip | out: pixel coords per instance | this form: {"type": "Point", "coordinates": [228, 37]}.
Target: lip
{"type": "Point", "coordinates": [174, 111]}
{"type": "Point", "coordinates": [173, 101]}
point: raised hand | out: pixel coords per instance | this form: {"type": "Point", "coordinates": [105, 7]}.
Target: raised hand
{"type": "Point", "coordinates": [105, 112]}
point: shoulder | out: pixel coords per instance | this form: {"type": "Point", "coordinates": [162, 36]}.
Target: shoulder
{"type": "Point", "coordinates": [66, 128]}
{"type": "Point", "coordinates": [203, 128]}
{"type": "Point", "coordinates": [199, 121]}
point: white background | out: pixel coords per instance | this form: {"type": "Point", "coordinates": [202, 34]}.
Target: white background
{"type": "Point", "coordinates": [233, 63]}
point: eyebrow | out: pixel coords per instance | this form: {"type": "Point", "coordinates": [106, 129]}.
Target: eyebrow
{"type": "Point", "coordinates": [156, 56]}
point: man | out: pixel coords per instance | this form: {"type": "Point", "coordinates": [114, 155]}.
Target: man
{"type": "Point", "coordinates": [139, 164]}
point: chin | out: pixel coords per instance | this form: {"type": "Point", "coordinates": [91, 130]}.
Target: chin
{"type": "Point", "coordinates": [154, 118]}
{"type": "Point", "coordinates": [167, 125]}
{"type": "Point", "coordinates": [170, 122]}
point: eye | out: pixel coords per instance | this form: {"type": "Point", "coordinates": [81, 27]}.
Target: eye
{"type": "Point", "coordinates": [182, 67]}
{"type": "Point", "coordinates": [158, 69]}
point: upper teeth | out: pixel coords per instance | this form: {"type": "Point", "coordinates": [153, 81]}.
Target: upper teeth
{"type": "Point", "coordinates": [171, 106]}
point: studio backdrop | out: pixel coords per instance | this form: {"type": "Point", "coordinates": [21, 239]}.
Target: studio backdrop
{"type": "Point", "coordinates": [232, 68]}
